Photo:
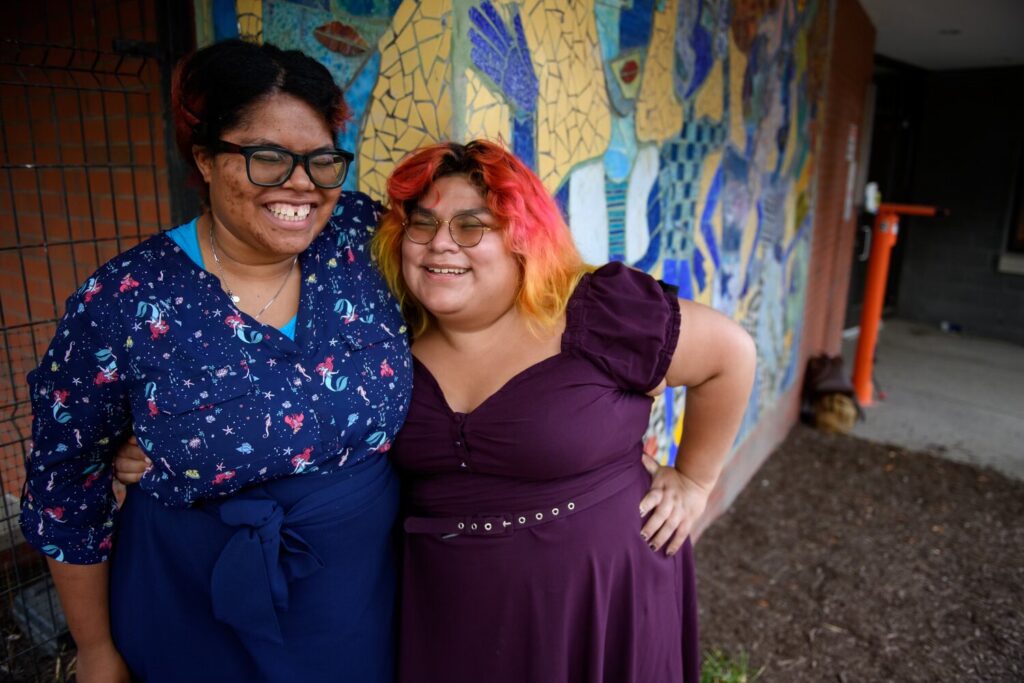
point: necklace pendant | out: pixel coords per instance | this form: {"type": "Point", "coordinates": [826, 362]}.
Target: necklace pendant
{"type": "Point", "coordinates": [236, 298]}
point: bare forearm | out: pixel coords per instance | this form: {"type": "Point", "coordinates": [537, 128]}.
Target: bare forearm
{"type": "Point", "coordinates": [83, 591]}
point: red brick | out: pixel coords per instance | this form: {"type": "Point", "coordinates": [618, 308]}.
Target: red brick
{"type": "Point", "coordinates": [79, 206]}
{"type": "Point", "coordinates": [145, 183]}
{"type": "Point", "coordinates": [149, 213]}
{"type": "Point", "coordinates": [68, 106]}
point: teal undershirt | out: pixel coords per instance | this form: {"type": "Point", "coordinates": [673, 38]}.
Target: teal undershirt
{"type": "Point", "coordinates": [186, 237]}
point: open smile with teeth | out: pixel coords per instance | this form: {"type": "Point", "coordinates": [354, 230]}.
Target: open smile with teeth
{"type": "Point", "coordinates": [448, 271]}
{"type": "Point", "coordinates": [290, 212]}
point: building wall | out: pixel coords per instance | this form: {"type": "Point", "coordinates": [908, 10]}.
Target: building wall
{"type": "Point", "coordinates": [839, 124]}
{"type": "Point", "coordinates": [968, 155]}
{"type": "Point", "coordinates": [83, 173]}
{"type": "Point", "coordinates": [679, 136]}
{"type": "Point", "coordinates": [835, 227]}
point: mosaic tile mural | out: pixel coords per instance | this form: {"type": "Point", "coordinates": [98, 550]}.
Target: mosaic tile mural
{"type": "Point", "coordinates": [678, 135]}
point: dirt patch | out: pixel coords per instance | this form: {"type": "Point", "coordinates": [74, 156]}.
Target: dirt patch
{"type": "Point", "coordinates": [845, 560]}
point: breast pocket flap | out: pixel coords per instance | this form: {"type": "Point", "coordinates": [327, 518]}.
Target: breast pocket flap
{"type": "Point", "coordinates": [209, 387]}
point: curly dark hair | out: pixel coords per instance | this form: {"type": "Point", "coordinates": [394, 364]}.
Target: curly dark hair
{"type": "Point", "coordinates": [215, 88]}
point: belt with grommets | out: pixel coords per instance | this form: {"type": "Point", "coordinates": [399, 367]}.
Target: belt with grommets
{"type": "Point", "coordinates": [504, 523]}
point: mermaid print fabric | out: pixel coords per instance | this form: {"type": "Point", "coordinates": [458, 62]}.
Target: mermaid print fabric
{"type": "Point", "coordinates": [218, 401]}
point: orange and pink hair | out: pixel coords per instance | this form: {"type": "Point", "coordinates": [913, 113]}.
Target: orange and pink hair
{"type": "Point", "coordinates": [532, 226]}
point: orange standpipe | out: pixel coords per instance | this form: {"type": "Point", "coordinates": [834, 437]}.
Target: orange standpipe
{"type": "Point", "coordinates": [883, 239]}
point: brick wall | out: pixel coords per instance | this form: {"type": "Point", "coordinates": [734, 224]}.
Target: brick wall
{"type": "Point", "coordinates": [850, 71]}
{"type": "Point", "coordinates": [83, 172]}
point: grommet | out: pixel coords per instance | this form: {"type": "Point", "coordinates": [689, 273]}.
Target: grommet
{"type": "Point", "coordinates": [571, 506]}
{"type": "Point", "coordinates": [487, 527]}
{"type": "Point", "coordinates": [522, 520]}
{"type": "Point", "coordinates": [539, 516]}
{"type": "Point", "coordinates": [472, 526]}
{"type": "Point", "coordinates": [554, 511]}
{"type": "Point", "coordinates": [462, 525]}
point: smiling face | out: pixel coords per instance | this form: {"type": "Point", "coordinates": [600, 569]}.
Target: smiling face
{"type": "Point", "coordinates": [468, 287]}
{"type": "Point", "coordinates": [267, 223]}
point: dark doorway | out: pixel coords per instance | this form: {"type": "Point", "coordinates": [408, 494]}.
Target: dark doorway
{"type": "Point", "coordinates": [899, 97]}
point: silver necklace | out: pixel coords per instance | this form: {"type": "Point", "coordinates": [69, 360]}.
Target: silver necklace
{"type": "Point", "coordinates": [227, 288]}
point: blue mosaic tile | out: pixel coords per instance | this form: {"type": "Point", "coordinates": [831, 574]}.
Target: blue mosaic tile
{"type": "Point", "coordinates": [654, 230]}
{"type": "Point", "coordinates": [706, 227]}
{"type": "Point", "coordinates": [699, 274]}
{"type": "Point", "coordinates": [615, 195]}
{"type": "Point", "coordinates": [700, 42]}
{"type": "Point", "coordinates": [635, 24]}
{"type": "Point", "coordinates": [503, 57]}
{"type": "Point", "coordinates": [522, 140]}
{"type": "Point", "coordinates": [225, 21]}
{"type": "Point", "coordinates": [562, 200]}
{"type": "Point", "coordinates": [362, 8]}
{"type": "Point", "coordinates": [322, 4]}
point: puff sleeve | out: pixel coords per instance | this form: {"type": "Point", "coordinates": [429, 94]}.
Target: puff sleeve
{"type": "Point", "coordinates": [626, 323]}
{"type": "Point", "coordinates": [80, 410]}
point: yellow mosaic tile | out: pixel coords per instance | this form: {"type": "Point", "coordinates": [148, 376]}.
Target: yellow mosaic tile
{"type": "Point", "coordinates": [710, 100]}
{"type": "Point", "coordinates": [435, 9]}
{"type": "Point", "coordinates": [487, 114]}
{"type": "Point", "coordinates": [250, 20]}
{"type": "Point", "coordinates": [659, 115]}
{"type": "Point", "coordinates": [405, 12]}
{"type": "Point", "coordinates": [707, 174]}
{"type": "Point", "coordinates": [737, 69]}
{"type": "Point", "coordinates": [573, 115]}
{"type": "Point", "coordinates": [411, 102]}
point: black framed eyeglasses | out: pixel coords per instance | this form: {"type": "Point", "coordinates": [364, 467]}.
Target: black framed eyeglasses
{"type": "Point", "coordinates": [466, 229]}
{"type": "Point", "coordinates": [269, 166]}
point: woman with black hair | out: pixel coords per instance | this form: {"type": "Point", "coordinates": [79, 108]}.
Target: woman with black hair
{"type": "Point", "coordinates": [262, 364]}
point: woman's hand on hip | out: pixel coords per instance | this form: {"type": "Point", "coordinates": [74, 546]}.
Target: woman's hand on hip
{"type": "Point", "coordinates": [101, 664]}
{"type": "Point", "coordinates": [130, 463]}
{"type": "Point", "coordinates": [673, 503]}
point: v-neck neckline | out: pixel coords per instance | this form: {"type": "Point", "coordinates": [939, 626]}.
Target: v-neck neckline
{"type": "Point", "coordinates": [279, 338]}
{"type": "Point", "coordinates": [565, 344]}
{"type": "Point", "coordinates": [514, 379]}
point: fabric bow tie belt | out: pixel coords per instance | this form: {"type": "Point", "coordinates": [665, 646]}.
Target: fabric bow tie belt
{"type": "Point", "coordinates": [263, 554]}
{"type": "Point", "coordinates": [267, 552]}
{"type": "Point", "coordinates": [505, 523]}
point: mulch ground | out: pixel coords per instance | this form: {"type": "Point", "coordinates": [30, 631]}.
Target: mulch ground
{"type": "Point", "coordinates": [845, 560]}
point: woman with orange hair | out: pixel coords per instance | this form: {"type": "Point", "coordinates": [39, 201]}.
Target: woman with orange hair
{"type": "Point", "coordinates": [540, 544]}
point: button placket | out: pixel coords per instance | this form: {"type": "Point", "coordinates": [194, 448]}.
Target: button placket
{"type": "Point", "coordinates": [459, 440]}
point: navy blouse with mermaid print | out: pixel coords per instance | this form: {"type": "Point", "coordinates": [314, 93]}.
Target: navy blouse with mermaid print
{"type": "Point", "coordinates": [218, 401]}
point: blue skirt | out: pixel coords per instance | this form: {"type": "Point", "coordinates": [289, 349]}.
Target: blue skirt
{"type": "Point", "coordinates": [292, 580]}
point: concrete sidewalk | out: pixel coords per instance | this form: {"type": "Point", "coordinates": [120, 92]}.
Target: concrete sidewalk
{"type": "Point", "coordinates": [958, 396]}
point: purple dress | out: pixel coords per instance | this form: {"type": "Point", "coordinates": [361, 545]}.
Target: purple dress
{"type": "Point", "coordinates": [523, 559]}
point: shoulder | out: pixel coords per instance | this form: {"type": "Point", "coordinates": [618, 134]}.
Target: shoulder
{"type": "Point", "coordinates": [149, 262]}
{"type": "Point", "coordinates": [626, 322]}
{"type": "Point", "coordinates": [353, 222]}
{"type": "Point", "coordinates": [616, 280]}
